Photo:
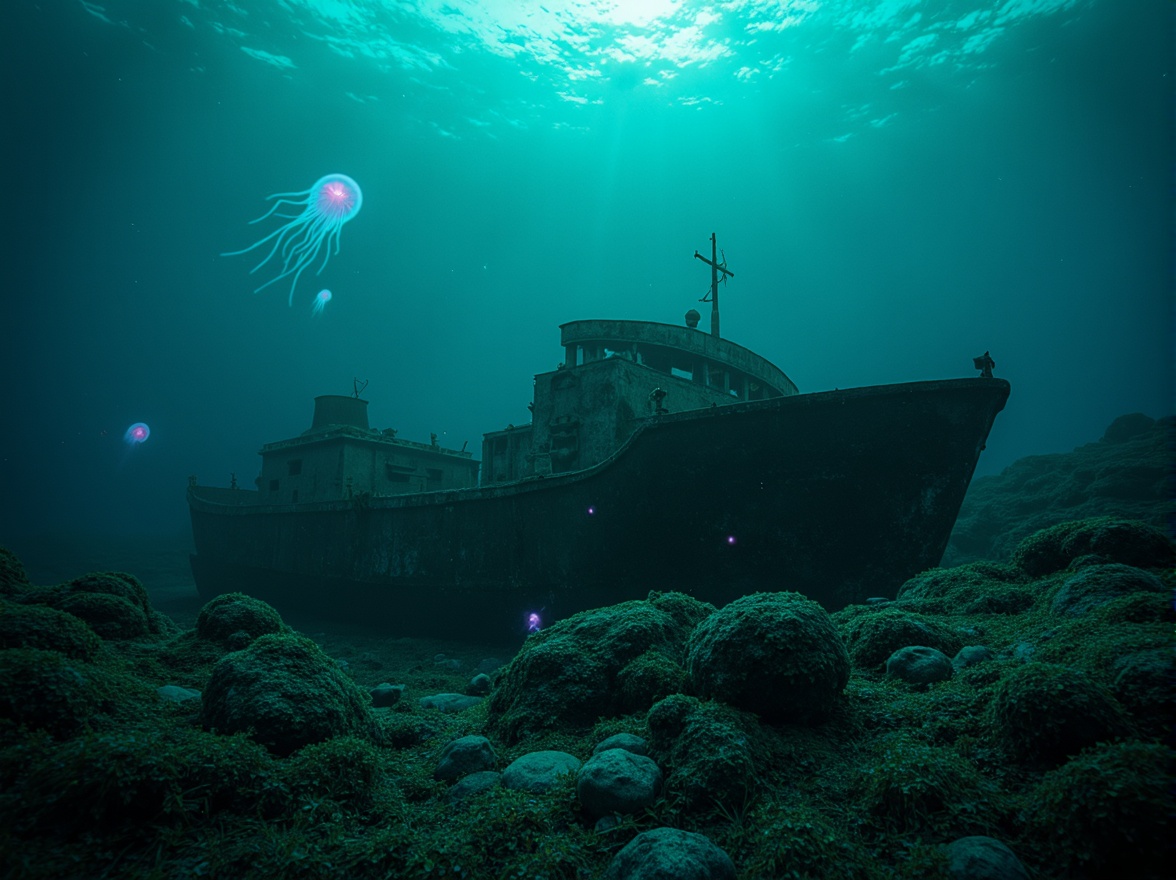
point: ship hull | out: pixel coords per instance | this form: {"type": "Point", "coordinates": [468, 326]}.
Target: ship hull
{"type": "Point", "coordinates": [838, 495]}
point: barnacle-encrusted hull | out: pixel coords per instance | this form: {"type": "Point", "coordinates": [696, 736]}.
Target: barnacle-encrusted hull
{"type": "Point", "coordinates": [839, 495]}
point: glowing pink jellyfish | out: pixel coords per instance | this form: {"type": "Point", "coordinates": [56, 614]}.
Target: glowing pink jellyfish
{"type": "Point", "coordinates": [534, 623]}
{"type": "Point", "coordinates": [320, 301]}
{"type": "Point", "coordinates": [136, 434]}
{"type": "Point", "coordinates": [325, 207]}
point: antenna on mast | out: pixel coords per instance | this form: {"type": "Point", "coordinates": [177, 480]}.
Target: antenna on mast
{"type": "Point", "coordinates": [716, 268]}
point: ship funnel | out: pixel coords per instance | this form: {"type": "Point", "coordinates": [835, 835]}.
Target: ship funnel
{"type": "Point", "coordinates": [335, 409]}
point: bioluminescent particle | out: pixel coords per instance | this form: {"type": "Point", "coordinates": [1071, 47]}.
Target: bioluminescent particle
{"type": "Point", "coordinates": [534, 623]}
{"type": "Point", "coordinates": [320, 301]}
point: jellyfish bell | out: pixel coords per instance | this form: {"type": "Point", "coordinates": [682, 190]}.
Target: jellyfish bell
{"type": "Point", "coordinates": [320, 300]}
{"type": "Point", "coordinates": [322, 211]}
{"type": "Point", "coordinates": [136, 434]}
{"type": "Point", "coordinates": [534, 622]}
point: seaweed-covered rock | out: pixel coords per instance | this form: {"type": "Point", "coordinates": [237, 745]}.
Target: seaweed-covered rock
{"type": "Point", "coordinates": [911, 786]}
{"type": "Point", "coordinates": [1126, 541]}
{"type": "Point", "coordinates": [776, 654]}
{"type": "Point", "coordinates": [124, 783]}
{"type": "Point", "coordinates": [1044, 712]}
{"type": "Point", "coordinates": [224, 616]}
{"type": "Point", "coordinates": [645, 680]}
{"type": "Point", "coordinates": [670, 852]}
{"type": "Point", "coordinates": [706, 752]}
{"type": "Point", "coordinates": [1099, 584]}
{"type": "Point", "coordinates": [575, 671]}
{"type": "Point", "coordinates": [43, 690]}
{"type": "Point", "coordinates": [286, 693]}
{"type": "Point", "coordinates": [1126, 475]}
{"type": "Point", "coordinates": [113, 583]}
{"type": "Point", "coordinates": [1145, 685]}
{"type": "Point", "coordinates": [1128, 427]}
{"type": "Point", "coordinates": [36, 626]}
{"type": "Point", "coordinates": [872, 635]}
{"type": "Point", "coordinates": [108, 615]}
{"type": "Point", "coordinates": [962, 583]}
{"type": "Point", "coordinates": [12, 573]}
{"type": "Point", "coordinates": [1109, 808]}
{"type": "Point", "coordinates": [346, 770]}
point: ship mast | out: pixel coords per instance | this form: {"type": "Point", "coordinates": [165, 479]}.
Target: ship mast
{"type": "Point", "coordinates": [716, 268]}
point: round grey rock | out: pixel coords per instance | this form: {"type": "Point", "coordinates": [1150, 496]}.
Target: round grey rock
{"type": "Point", "coordinates": [971, 655]}
{"type": "Point", "coordinates": [475, 783]}
{"type": "Point", "coordinates": [538, 771]}
{"type": "Point", "coordinates": [177, 694]}
{"type": "Point", "coordinates": [918, 664]}
{"type": "Point", "coordinates": [617, 781]}
{"type": "Point", "coordinates": [983, 858]}
{"type": "Point", "coordinates": [449, 703]}
{"type": "Point", "coordinates": [479, 685]}
{"type": "Point", "coordinates": [384, 695]}
{"type": "Point", "coordinates": [670, 854]}
{"type": "Point", "coordinates": [465, 755]}
{"type": "Point", "coordinates": [630, 742]}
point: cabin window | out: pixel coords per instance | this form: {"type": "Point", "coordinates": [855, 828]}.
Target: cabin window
{"type": "Point", "coordinates": [294, 496]}
{"type": "Point", "coordinates": [435, 476]}
{"type": "Point", "coordinates": [397, 473]}
{"type": "Point", "coordinates": [273, 485]}
{"type": "Point", "coordinates": [294, 466]}
{"type": "Point", "coordinates": [680, 373]}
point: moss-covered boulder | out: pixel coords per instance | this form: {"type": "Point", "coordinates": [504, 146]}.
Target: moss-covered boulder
{"type": "Point", "coordinates": [975, 588]}
{"type": "Point", "coordinates": [776, 654]}
{"type": "Point", "coordinates": [36, 626]}
{"type": "Point", "coordinates": [593, 664]}
{"type": "Point", "coordinates": [647, 679]}
{"type": "Point", "coordinates": [872, 635]}
{"type": "Point", "coordinates": [1145, 685]}
{"type": "Point", "coordinates": [111, 617]}
{"type": "Point", "coordinates": [226, 615]}
{"type": "Point", "coordinates": [128, 781]}
{"type": "Point", "coordinates": [113, 583]}
{"type": "Point", "coordinates": [1116, 540]}
{"type": "Point", "coordinates": [1044, 713]}
{"type": "Point", "coordinates": [1108, 813]}
{"type": "Point", "coordinates": [706, 751]}
{"type": "Point", "coordinates": [909, 786]}
{"type": "Point", "coordinates": [1097, 585]}
{"type": "Point", "coordinates": [12, 573]}
{"type": "Point", "coordinates": [44, 690]}
{"type": "Point", "coordinates": [286, 693]}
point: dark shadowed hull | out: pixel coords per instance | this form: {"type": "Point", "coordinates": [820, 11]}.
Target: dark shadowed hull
{"type": "Point", "coordinates": [839, 495]}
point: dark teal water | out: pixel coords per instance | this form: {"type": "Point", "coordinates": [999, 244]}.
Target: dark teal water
{"type": "Point", "coordinates": [898, 186]}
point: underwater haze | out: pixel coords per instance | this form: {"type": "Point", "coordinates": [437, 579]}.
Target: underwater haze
{"type": "Point", "coordinates": [898, 186]}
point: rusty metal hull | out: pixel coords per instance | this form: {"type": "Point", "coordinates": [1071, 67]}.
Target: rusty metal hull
{"type": "Point", "coordinates": [839, 495]}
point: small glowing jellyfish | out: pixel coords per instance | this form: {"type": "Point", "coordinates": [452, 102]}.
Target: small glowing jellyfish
{"type": "Point", "coordinates": [325, 207]}
{"type": "Point", "coordinates": [136, 434]}
{"type": "Point", "coordinates": [730, 540]}
{"type": "Point", "coordinates": [592, 510]}
{"type": "Point", "coordinates": [534, 623]}
{"type": "Point", "coordinates": [320, 301]}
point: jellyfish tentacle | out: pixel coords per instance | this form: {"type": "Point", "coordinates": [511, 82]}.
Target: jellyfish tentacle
{"type": "Point", "coordinates": [314, 219]}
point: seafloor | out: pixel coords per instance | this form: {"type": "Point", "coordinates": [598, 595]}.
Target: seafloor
{"type": "Point", "coordinates": [1021, 703]}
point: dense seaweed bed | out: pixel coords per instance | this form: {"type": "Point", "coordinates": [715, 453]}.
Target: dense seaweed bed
{"type": "Point", "coordinates": [1054, 744]}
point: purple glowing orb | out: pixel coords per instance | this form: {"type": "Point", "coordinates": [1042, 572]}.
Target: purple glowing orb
{"type": "Point", "coordinates": [534, 623]}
